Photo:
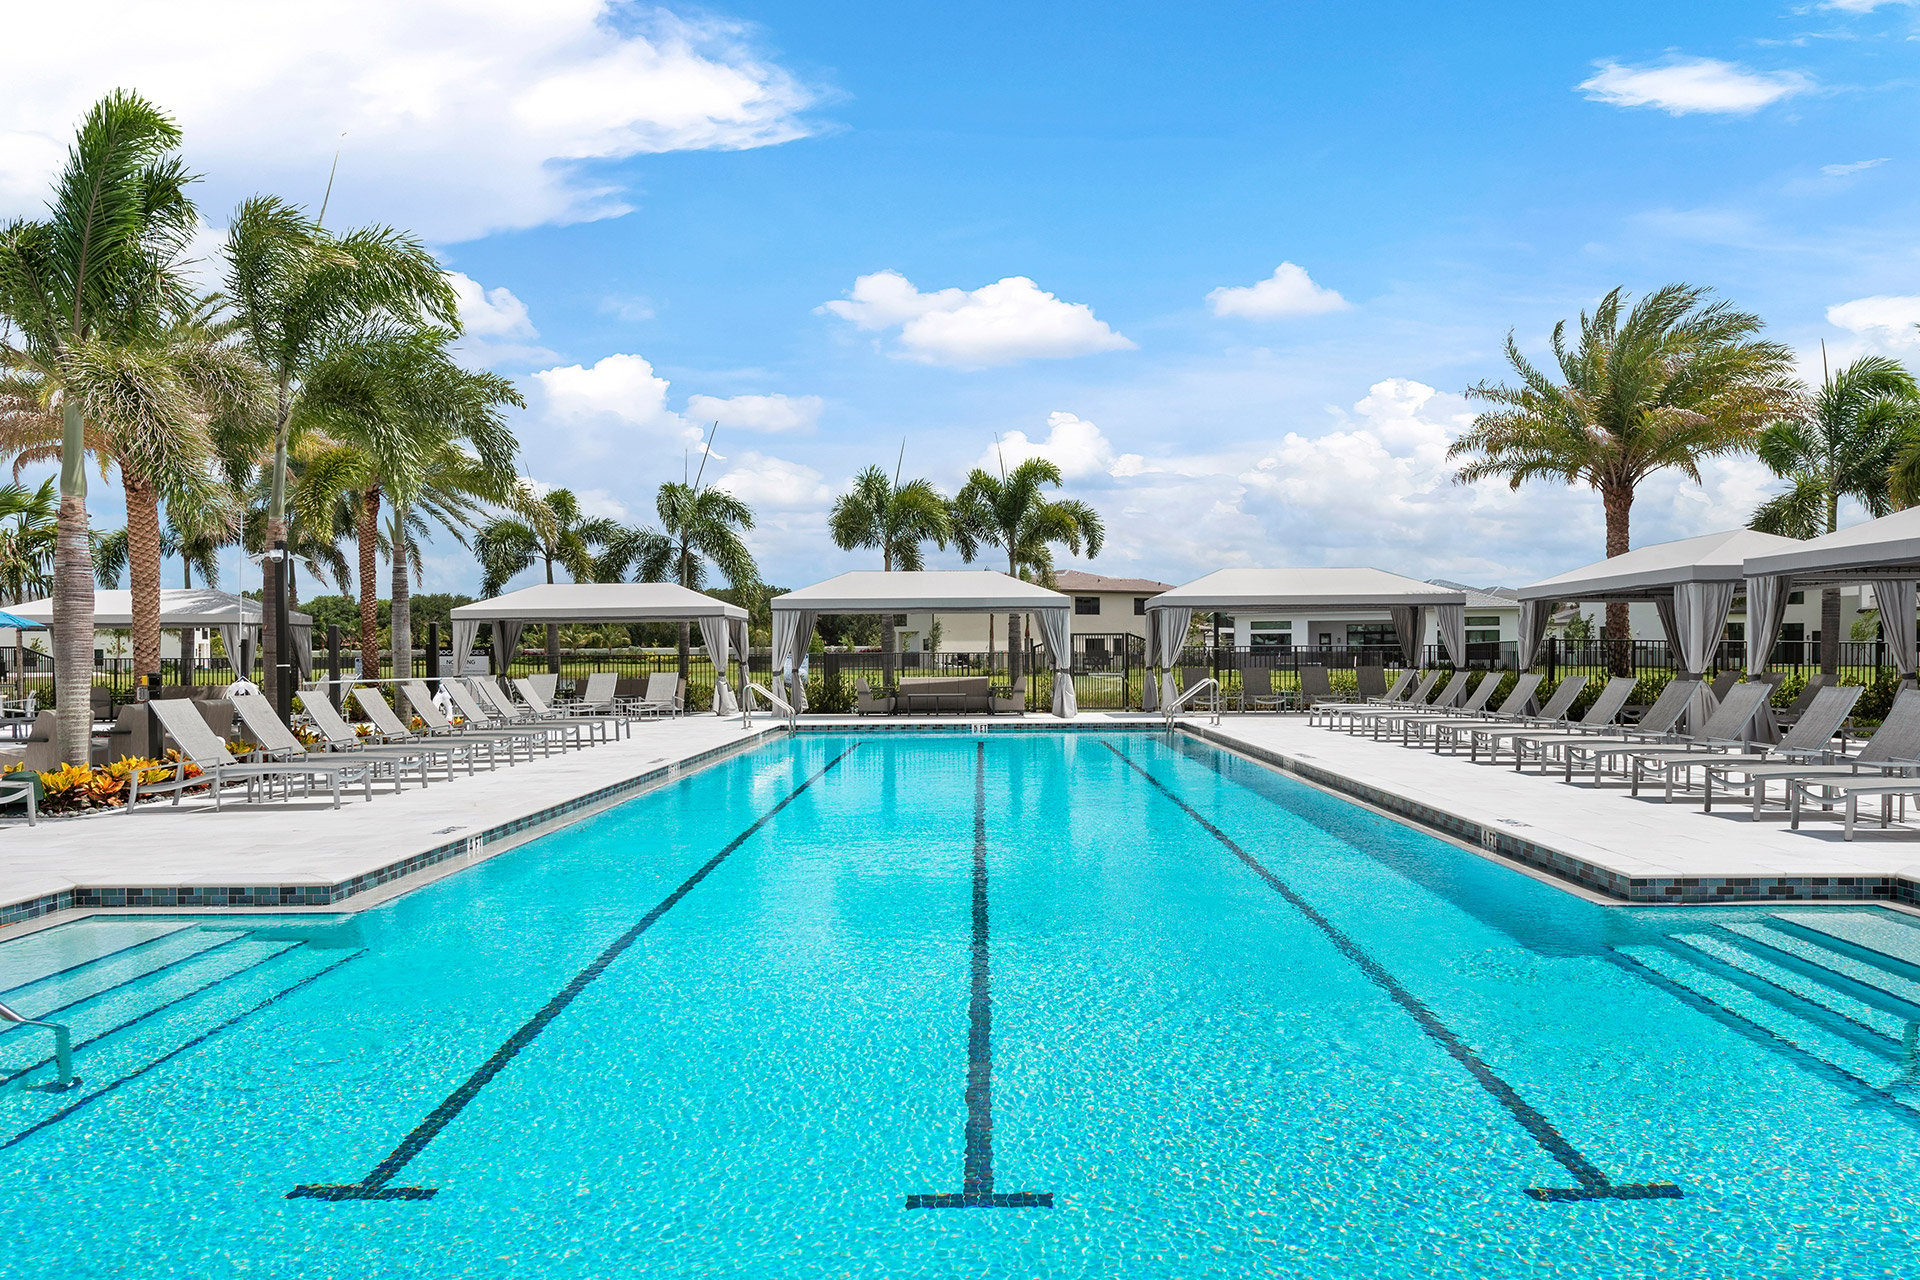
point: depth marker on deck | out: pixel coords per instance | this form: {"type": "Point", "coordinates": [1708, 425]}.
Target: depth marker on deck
{"type": "Point", "coordinates": [976, 1183]}
{"type": "Point", "coordinates": [1594, 1185]}
{"type": "Point", "coordinates": [374, 1185]}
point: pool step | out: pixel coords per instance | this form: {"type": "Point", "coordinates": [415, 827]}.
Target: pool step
{"type": "Point", "coordinates": [53, 996]}
{"type": "Point", "coordinates": [1868, 1058]}
{"type": "Point", "coordinates": [139, 1027]}
{"type": "Point", "coordinates": [1867, 976]}
{"type": "Point", "coordinates": [71, 947]}
{"type": "Point", "coordinates": [1803, 987]}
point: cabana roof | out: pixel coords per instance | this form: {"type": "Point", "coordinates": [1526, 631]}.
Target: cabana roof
{"type": "Point", "coordinates": [1226, 590]}
{"type": "Point", "coordinates": [179, 607]}
{"type": "Point", "coordinates": [1648, 572]}
{"type": "Point", "coordinates": [1885, 548]}
{"type": "Point", "coordinates": [598, 602]}
{"type": "Point", "coordinates": [926, 591]}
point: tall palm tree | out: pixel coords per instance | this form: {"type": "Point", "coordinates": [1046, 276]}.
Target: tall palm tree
{"type": "Point", "coordinates": [84, 292]}
{"type": "Point", "coordinates": [1842, 443]}
{"type": "Point", "coordinates": [550, 530]}
{"type": "Point", "coordinates": [1013, 512]}
{"type": "Point", "coordinates": [299, 293]}
{"type": "Point", "coordinates": [880, 513]}
{"type": "Point", "coordinates": [703, 526]}
{"type": "Point", "coordinates": [198, 550]}
{"type": "Point", "coordinates": [1673, 380]}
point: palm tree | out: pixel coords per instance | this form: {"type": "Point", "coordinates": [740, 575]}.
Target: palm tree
{"type": "Point", "coordinates": [703, 527]}
{"type": "Point", "coordinates": [880, 513]}
{"type": "Point", "coordinates": [1841, 444]}
{"type": "Point", "coordinates": [1676, 379]}
{"type": "Point", "coordinates": [29, 531]}
{"type": "Point", "coordinates": [198, 550]}
{"type": "Point", "coordinates": [1013, 512]}
{"type": "Point", "coordinates": [300, 293]}
{"type": "Point", "coordinates": [550, 530]}
{"type": "Point", "coordinates": [84, 293]}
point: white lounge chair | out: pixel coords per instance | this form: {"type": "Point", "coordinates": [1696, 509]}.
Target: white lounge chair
{"type": "Point", "coordinates": [478, 720]}
{"type": "Point", "coordinates": [274, 741]}
{"type": "Point", "coordinates": [337, 735]}
{"type": "Point", "coordinates": [388, 724]}
{"type": "Point", "coordinates": [200, 746]}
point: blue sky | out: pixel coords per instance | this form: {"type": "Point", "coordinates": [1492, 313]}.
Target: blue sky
{"type": "Point", "coordinates": [840, 227]}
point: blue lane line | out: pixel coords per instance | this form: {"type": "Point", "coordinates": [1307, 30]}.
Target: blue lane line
{"type": "Point", "coordinates": [1594, 1185]}
{"type": "Point", "coordinates": [976, 1183]}
{"type": "Point", "coordinates": [202, 1038]}
{"type": "Point", "coordinates": [374, 1185]}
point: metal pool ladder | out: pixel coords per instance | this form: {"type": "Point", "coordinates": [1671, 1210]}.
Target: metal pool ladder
{"type": "Point", "coordinates": [62, 1045]}
{"type": "Point", "coordinates": [774, 700]}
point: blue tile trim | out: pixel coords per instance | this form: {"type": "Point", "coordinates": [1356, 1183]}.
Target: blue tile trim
{"type": "Point", "coordinates": [1676, 890]}
{"type": "Point", "coordinates": [322, 895]}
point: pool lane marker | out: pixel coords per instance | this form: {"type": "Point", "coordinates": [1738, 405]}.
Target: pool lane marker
{"type": "Point", "coordinates": [1594, 1185]}
{"type": "Point", "coordinates": [976, 1183]}
{"type": "Point", "coordinates": [375, 1185]}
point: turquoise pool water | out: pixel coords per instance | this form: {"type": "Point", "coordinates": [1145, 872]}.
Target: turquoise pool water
{"type": "Point", "coordinates": [1130, 1008]}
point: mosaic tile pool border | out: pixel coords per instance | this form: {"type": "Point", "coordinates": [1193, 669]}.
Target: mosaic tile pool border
{"type": "Point", "coordinates": [875, 725]}
{"type": "Point", "coordinates": [1676, 890]}
{"type": "Point", "coordinates": [89, 897]}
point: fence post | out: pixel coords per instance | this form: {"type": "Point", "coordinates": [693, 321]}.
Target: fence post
{"type": "Point", "coordinates": [1553, 659]}
{"type": "Point", "coordinates": [433, 656]}
{"type": "Point", "coordinates": [333, 663]}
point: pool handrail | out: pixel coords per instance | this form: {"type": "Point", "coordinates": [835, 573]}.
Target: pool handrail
{"type": "Point", "coordinates": [62, 1045]}
{"type": "Point", "coordinates": [1194, 691]}
{"type": "Point", "coordinates": [773, 699]}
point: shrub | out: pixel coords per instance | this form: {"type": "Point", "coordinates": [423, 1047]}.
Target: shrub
{"type": "Point", "coordinates": [78, 788]}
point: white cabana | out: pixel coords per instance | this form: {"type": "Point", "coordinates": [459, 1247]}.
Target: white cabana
{"type": "Point", "coordinates": [1254, 591]}
{"type": "Point", "coordinates": [928, 591]}
{"type": "Point", "coordinates": [236, 618]}
{"type": "Point", "coordinates": [1691, 583]}
{"type": "Point", "coordinates": [1883, 553]}
{"type": "Point", "coordinates": [723, 626]}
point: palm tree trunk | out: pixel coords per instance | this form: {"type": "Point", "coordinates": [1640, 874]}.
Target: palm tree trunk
{"type": "Point", "coordinates": [1830, 630]}
{"type": "Point", "coordinates": [400, 619]}
{"type": "Point", "coordinates": [368, 535]}
{"type": "Point", "coordinates": [143, 570]}
{"type": "Point", "coordinates": [1617, 501]}
{"type": "Point", "coordinates": [73, 596]}
{"type": "Point", "coordinates": [889, 645]}
{"type": "Point", "coordinates": [276, 533]}
{"type": "Point", "coordinates": [686, 649]}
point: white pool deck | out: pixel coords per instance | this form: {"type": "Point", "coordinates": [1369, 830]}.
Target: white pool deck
{"type": "Point", "coordinates": [319, 858]}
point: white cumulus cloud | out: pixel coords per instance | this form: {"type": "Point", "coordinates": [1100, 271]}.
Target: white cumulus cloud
{"type": "Point", "coordinates": [1009, 320]}
{"type": "Point", "coordinates": [1887, 318]}
{"type": "Point", "coordinates": [1682, 86]}
{"type": "Point", "coordinates": [760, 480]}
{"type": "Point", "coordinates": [1848, 170]}
{"type": "Point", "coordinates": [515, 109]}
{"type": "Point", "coordinates": [1078, 447]}
{"type": "Point", "coordinates": [757, 412]}
{"type": "Point", "coordinates": [1289, 291]}
{"type": "Point", "coordinates": [490, 313]}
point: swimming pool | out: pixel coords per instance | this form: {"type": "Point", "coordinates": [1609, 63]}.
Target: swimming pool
{"type": "Point", "coordinates": [938, 1004]}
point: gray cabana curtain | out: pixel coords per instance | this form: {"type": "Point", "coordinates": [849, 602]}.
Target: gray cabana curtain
{"type": "Point", "coordinates": [1451, 620]}
{"type": "Point", "coordinates": [230, 641]}
{"type": "Point", "coordinates": [464, 633]}
{"type": "Point", "coordinates": [1056, 636]}
{"type": "Point", "coordinates": [1407, 630]}
{"type": "Point", "coordinates": [792, 635]}
{"type": "Point", "coordinates": [1766, 609]}
{"type": "Point", "coordinates": [506, 643]}
{"type": "Point", "coordinates": [1172, 624]}
{"type": "Point", "coordinates": [303, 649]}
{"type": "Point", "coordinates": [1669, 625]}
{"type": "Point", "coordinates": [1535, 615]}
{"type": "Point", "coordinates": [1699, 611]}
{"type": "Point", "coordinates": [714, 635]}
{"type": "Point", "coordinates": [1895, 596]}
{"type": "Point", "coordinates": [740, 640]}
{"type": "Point", "coordinates": [1150, 686]}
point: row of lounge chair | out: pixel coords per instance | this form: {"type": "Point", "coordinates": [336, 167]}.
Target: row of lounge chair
{"type": "Point", "coordinates": [1811, 763]}
{"type": "Point", "coordinates": [493, 728]}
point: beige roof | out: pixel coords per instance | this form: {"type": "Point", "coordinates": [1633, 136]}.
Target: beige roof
{"type": "Point", "coordinates": [1072, 580]}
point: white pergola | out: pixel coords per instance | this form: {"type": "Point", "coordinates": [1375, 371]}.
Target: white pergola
{"type": "Point", "coordinates": [1691, 584]}
{"type": "Point", "coordinates": [723, 626]}
{"type": "Point", "coordinates": [1883, 553]}
{"type": "Point", "coordinates": [1243, 591]}
{"type": "Point", "coordinates": [927, 591]}
{"type": "Point", "coordinates": [190, 609]}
